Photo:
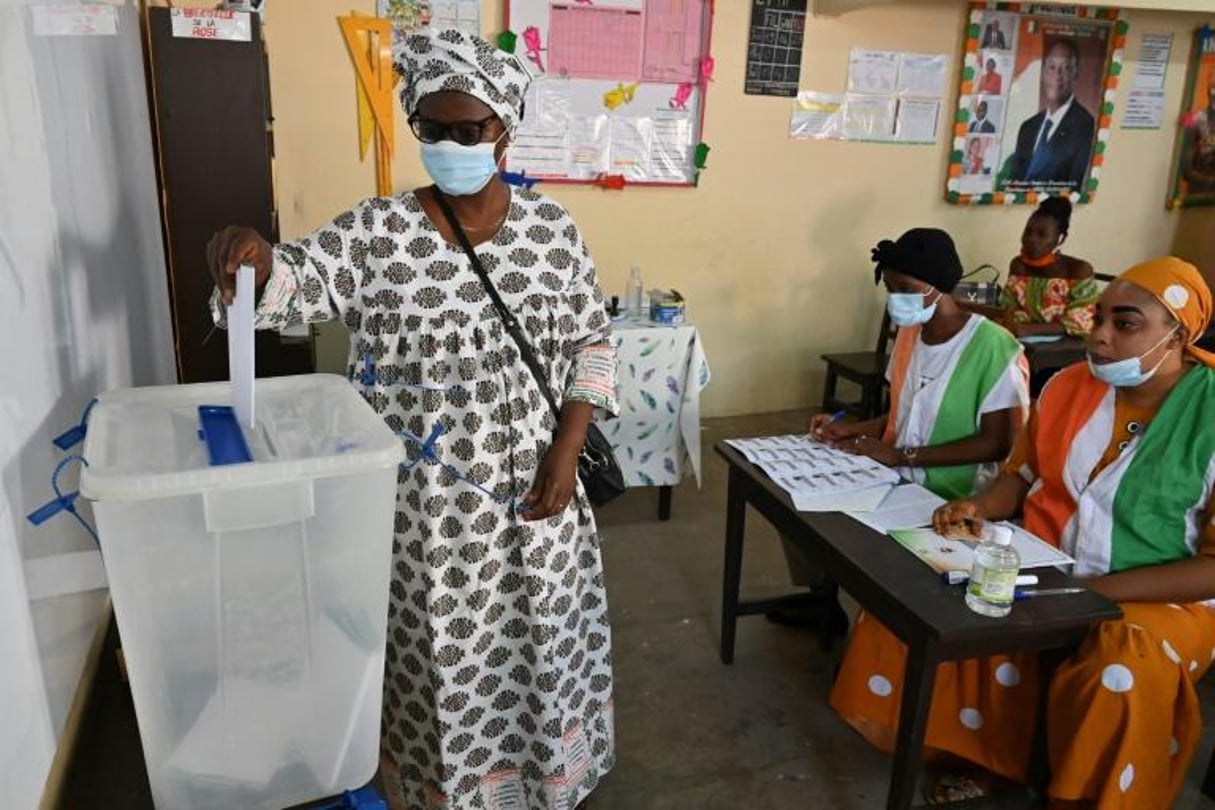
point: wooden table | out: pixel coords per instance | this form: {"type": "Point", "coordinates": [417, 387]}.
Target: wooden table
{"type": "Point", "coordinates": [901, 592]}
{"type": "Point", "coordinates": [657, 436]}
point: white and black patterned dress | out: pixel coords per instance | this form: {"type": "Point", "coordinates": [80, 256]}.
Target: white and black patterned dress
{"type": "Point", "coordinates": [498, 690]}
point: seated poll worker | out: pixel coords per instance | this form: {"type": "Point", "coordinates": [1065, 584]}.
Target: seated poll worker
{"type": "Point", "coordinates": [959, 389]}
{"type": "Point", "coordinates": [958, 382]}
{"type": "Point", "coordinates": [1116, 467]}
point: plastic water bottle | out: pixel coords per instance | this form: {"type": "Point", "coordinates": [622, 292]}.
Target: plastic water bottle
{"type": "Point", "coordinates": [634, 294]}
{"type": "Point", "coordinates": [993, 578]}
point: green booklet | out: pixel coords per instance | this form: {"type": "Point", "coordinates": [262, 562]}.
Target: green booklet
{"type": "Point", "coordinates": [943, 554]}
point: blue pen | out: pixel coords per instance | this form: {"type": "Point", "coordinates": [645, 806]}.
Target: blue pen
{"type": "Point", "coordinates": [835, 417]}
{"type": "Point", "coordinates": [1029, 593]}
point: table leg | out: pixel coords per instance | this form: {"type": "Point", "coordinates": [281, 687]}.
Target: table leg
{"type": "Point", "coordinates": [736, 515]}
{"type": "Point", "coordinates": [1038, 776]}
{"type": "Point", "coordinates": [868, 405]}
{"type": "Point", "coordinates": [918, 681]}
{"type": "Point", "coordinates": [830, 596]}
{"type": "Point", "coordinates": [664, 502]}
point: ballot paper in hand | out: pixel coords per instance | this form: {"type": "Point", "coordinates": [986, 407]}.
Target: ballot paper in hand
{"type": "Point", "coordinates": [817, 477]}
{"type": "Point", "coordinates": [240, 347]}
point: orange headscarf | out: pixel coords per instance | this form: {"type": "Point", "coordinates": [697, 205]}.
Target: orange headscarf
{"type": "Point", "coordinates": [1181, 289]}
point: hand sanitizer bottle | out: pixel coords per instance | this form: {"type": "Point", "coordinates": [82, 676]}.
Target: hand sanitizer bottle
{"type": "Point", "coordinates": [993, 578]}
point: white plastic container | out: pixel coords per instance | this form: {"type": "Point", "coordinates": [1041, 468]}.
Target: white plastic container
{"type": "Point", "coordinates": [252, 599]}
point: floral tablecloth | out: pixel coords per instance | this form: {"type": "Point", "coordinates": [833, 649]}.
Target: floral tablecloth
{"type": "Point", "coordinates": [662, 372]}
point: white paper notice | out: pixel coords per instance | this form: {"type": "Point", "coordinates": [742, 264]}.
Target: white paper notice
{"type": "Point", "coordinates": [201, 23]}
{"type": "Point", "coordinates": [869, 118]}
{"type": "Point", "coordinates": [75, 20]}
{"type": "Point", "coordinates": [548, 106]}
{"type": "Point", "coordinates": [464, 15]}
{"type": "Point", "coordinates": [923, 74]}
{"type": "Point", "coordinates": [540, 147]}
{"type": "Point", "coordinates": [917, 121]}
{"type": "Point", "coordinates": [817, 116]}
{"type": "Point", "coordinates": [630, 150]}
{"type": "Point", "coordinates": [1153, 61]}
{"type": "Point", "coordinates": [1144, 109]}
{"type": "Point", "coordinates": [671, 149]}
{"type": "Point", "coordinates": [539, 155]}
{"type": "Point", "coordinates": [588, 141]}
{"type": "Point", "coordinates": [873, 71]}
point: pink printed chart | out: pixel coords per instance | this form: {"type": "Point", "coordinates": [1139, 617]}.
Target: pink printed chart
{"type": "Point", "coordinates": [619, 91]}
{"type": "Point", "coordinates": [594, 42]}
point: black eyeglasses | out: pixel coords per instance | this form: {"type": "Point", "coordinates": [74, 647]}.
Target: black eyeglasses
{"type": "Point", "coordinates": [465, 133]}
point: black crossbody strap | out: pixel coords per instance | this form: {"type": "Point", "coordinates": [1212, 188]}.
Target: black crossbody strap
{"type": "Point", "coordinates": [513, 328]}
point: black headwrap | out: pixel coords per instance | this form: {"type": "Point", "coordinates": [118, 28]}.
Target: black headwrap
{"type": "Point", "coordinates": [924, 253]}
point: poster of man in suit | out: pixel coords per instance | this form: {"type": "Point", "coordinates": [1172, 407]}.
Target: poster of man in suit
{"type": "Point", "coordinates": [1053, 100]}
{"type": "Point", "coordinates": [993, 36]}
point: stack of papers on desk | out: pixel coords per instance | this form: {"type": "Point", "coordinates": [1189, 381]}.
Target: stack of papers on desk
{"type": "Point", "coordinates": [906, 515]}
{"type": "Point", "coordinates": [944, 554]}
{"type": "Point", "coordinates": [908, 506]}
{"type": "Point", "coordinates": [819, 478]}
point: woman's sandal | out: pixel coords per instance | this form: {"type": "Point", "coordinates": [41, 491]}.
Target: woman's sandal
{"type": "Point", "coordinates": [962, 785]}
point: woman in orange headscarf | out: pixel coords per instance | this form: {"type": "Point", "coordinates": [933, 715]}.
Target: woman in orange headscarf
{"type": "Point", "coordinates": [1117, 467]}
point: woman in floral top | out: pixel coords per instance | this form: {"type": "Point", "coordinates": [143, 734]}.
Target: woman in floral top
{"type": "Point", "coordinates": [1048, 292]}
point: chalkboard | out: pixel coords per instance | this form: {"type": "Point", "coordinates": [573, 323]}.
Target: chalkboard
{"type": "Point", "coordinates": [774, 49]}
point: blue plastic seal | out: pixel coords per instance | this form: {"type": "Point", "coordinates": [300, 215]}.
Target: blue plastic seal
{"type": "Point", "coordinates": [224, 439]}
{"type": "Point", "coordinates": [75, 435]}
{"type": "Point", "coordinates": [367, 798]}
{"type": "Point", "coordinates": [70, 437]}
{"type": "Point", "coordinates": [47, 511]}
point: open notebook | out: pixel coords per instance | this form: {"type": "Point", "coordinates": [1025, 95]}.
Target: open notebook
{"type": "Point", "coordinates": [817, 477]}
{"type": "Point", "coordinates": [906, 513]}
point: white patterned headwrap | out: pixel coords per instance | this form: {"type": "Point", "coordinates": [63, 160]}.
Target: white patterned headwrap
{"type": "Point", "coordinates": [435, 61]}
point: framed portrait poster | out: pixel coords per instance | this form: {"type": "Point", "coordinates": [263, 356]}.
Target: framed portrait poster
{"type": "Point", "coordinates": [1194, 173]}
{"type": "Point", "coordinates": [1036, 102]}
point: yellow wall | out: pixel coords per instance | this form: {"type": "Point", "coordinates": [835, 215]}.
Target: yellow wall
{"type": "Point", "coordinates": [1195, 240]}
{"type": "Point", "coordinates": [772, 250]}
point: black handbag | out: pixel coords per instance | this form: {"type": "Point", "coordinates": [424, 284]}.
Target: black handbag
{"type": "Point", "coordinates": [598, 469]}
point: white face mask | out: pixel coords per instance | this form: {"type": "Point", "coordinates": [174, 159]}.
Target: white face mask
{"type": "Point", "coordinates": [1128, 373]}
{"type": "Point", "coordinates": [909, 309]}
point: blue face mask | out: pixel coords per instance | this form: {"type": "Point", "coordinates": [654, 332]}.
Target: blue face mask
{"type": "Point", "coordinates": [1127, 373]}
{"type": "Point", "coordinates": [908, 309]}
{"type": "Point", "coordinates": [460, 170]}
